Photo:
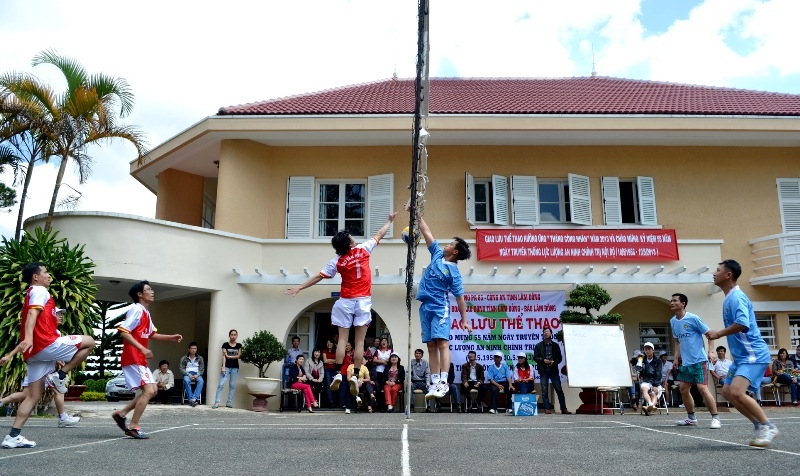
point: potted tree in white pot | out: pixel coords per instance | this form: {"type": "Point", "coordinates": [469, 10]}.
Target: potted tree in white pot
{"type": "Point", "coordinates": [261, 350]}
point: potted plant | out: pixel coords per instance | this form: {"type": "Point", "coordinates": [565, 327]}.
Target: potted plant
{"type": "Point", "coordinates": [587, 297]}
{"type": "Point", "coordinates": [261, 350]}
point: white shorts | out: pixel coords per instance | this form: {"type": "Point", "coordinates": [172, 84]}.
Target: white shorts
{"type": "Point", "coordinates": [347, 313]}
{"type": "Point", "coordinates": [44, 361]}
{"type": "Point", "coordinates": [137, 376]}
{"type": "Point", "coordinates": [47, 383]}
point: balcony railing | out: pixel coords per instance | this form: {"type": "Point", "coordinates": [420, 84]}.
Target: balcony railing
{"type": "Point", "coordinates": [776, 258]}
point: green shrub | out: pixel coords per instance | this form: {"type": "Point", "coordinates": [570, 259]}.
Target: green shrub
{"type": "Point", "coordinates": [98, 385]}
{"type": "Point", "coordinates": [89, 396]}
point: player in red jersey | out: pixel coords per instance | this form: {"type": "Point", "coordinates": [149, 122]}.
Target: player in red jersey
{"type": "Point", "coordinates": [354, 306]}
{"type": "Point", "coordinates": [136, 331]}
{"type": "Point", "coordinates": [42, 346]}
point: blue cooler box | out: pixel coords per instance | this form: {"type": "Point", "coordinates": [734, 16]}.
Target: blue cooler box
{"type": "Point", "coordinates": [525, 405]}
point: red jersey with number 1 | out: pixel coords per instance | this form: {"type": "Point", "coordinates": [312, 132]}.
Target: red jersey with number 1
{"type": "Point", "coordinates": [139, 325]}
{"type": "Point", "coordinates": [46, 330]}
{"type": "Point", "coordinates": [354, 268]}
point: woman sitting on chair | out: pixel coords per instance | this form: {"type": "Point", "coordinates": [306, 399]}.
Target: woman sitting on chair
{"type": "Point", "coordinates": [394, 375]}
{"type": "Point", "coordinates": [783, 369]}
{"type": "Point", "coordinates": [650, 378]}
{"type": "Point", "coordinates": [298, 380]}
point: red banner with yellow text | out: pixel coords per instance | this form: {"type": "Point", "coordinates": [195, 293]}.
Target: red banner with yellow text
{"type": "Point", "coordinates": [576, 245]}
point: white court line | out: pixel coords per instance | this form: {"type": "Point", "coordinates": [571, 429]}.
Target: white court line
{"type": "Point", "coordinates": [707, 439]}
{"type": "Point", "coordinates": [406, 453]}
{"type": "Point", "coordinates": [28, 453]}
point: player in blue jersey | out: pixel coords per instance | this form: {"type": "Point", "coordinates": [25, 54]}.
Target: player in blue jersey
{"type": "Point", "coordinates": [690, 351]}
{"type": "Point", "coordinates": [749, 351]}
{"type": "Point", "coordinates": [440, 278]}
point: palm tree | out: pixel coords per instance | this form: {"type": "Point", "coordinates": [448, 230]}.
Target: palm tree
{"type": "Point", "coordinates": [67, 123]}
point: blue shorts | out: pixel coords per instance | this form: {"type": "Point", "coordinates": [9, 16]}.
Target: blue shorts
{"type": "Point", "coordinates": [435, 321]}
{"type": "Point", "coordinates": [752, 372]}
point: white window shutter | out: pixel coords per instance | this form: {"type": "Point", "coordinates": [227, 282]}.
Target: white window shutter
{"type": "Point", "coordinates": [300, 207]}
{"type": "Point", "coordinates": [500, 199]}
{"type": "Point", "coordinates": [612, 209]}
{"type": "Point", "coordinates": [470, 198]}
{"type": "Point", "coordinates": [524, 200]}
{"type": "Point", "coordinates": [581, 199]}
{"type": "Point", "coordinates": [789, 200]}
{"type": "Point", "coordinates": [380, 202]}
{"type": "Point", "coordinates": [647, 201]}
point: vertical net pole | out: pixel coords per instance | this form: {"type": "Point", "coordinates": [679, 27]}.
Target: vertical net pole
{"type": "Point", "coordinates": [416, 202]}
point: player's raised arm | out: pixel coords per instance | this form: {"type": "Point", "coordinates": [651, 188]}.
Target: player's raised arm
{"type": "Point", "coordinates": [426, 232]}
{"type": "Point", "coordinates": [312, 281]}
{"type": "Point", "coordinates": [382, 232]}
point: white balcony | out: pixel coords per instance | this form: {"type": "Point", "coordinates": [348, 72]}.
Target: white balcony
{"type": "Point", "coordinates": [776, 260]}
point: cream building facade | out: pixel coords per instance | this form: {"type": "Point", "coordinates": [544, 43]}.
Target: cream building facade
{"type": "Point", "coordinates": [246, 200]}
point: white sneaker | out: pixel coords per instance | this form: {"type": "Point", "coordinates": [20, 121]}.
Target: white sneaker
{"type": "Point", "coordinates": [686, 422]}
{"type": "Point", "coordinates": [508, 410]}
{"type": "Point", "coordinates": [346, 411]}
{"type": "Point", "coordinates": [17, 442]}
{"type": "Point", "coordinates": [358, 399]}
{"type": "Point", "coordinates": [431, 391]}
{"type": "Point", "coordinates": [441, 389]}
{"type": "Point", "coordinates": [763, 438]}
{"type": "Point", "coordinates": [681, 406]}
{"type": "Point", "coordinates": [715, 424]}
{"type": "Point", "coordinates": [353, 385]}
{"type": "Point", "coordinates": [492, 410]}
{"type": "Point", "coordinates": [70, 421]}
{"type": "Point", "coordinates": [59, 384]}
{"type": "Point", "coordinates": [336, 382]}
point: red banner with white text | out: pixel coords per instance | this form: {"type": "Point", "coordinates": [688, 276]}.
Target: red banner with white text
{"type": "Point", "coordinates": [576, 245]}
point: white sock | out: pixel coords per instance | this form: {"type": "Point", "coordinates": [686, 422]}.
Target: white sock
{"type": "Point", "coordinates": [63, 416]}
{"type": "Point", "coordinates": [434, 378]}
{"type": "Point", "coordinates": [443, 377]}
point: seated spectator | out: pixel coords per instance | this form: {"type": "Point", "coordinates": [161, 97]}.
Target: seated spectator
{"type": "Point", "coordinates": [393, 375]}
{"type": "Point", "coordinates": [315, 369]}
{"type": "Point", "coordinates": [796, 358]}
{"type": "Point", "coordinates": [783, 369]}
{"type": "Point", "coordinates": [499, 376]}
{"type": "Point", "coordinates": [420, 376]}
{"type": "Point", "coordinates": [523, 376]}
{"type": "Point", "coordinates": [298, 380]}
{"type": "Point", "coordinates": [363, 379]}
{"type": "Point", "coordinates": [193, 367]}
{"type": "Point", "coordinates": [650, 378]}
{"type": "Point", "coordinates": [666, 367]}
{"type": "Point", "coordinates": [381, 358]}
{"type": "Point", "coordinates": [720, 364]}
{"type": "Point", "coordinates": [472, 377]}
{"type": "Point", "coordinates": [165, 382]}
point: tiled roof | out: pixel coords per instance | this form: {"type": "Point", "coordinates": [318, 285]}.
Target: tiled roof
{"type": "Point", "coordinates": [590, 95]}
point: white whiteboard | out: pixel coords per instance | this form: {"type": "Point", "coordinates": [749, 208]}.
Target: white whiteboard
{"type": "Point", "coordinates": [596, 356]}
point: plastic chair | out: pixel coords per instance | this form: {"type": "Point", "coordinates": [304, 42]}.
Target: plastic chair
{"type": "Point", "coordinates": [604, 394]}
{"type": "Point", "coordinates": [661, 402]}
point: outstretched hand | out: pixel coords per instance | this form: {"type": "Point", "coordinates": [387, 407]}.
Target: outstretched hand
{"type": "Point", "coordinates": [291, 291]}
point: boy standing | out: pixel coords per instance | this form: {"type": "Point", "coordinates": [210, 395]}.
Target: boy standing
{"type": "Point", "coordinates": [688, 330]}
{"type": "Point", "coordinates": [440, 278]}
{"type": "Point", "coordinates": [42, 346]}
{"type": "Point", "coordinates": [136, 331]}
{"type": "Point", "coordinates": [354, 306]}
{"type": "Point", "coordinates": [750, 353]}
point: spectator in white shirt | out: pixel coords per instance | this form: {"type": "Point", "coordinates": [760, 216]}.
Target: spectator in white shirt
{"type": "Point", "coordinates": [721, 363]}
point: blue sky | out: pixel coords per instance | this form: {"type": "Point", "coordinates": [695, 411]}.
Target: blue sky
{"type": "Point", "coordinates": [186, 59]}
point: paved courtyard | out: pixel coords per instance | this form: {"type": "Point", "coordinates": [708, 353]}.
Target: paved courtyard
{"type": "Point", "coordinates": [201, 441]}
